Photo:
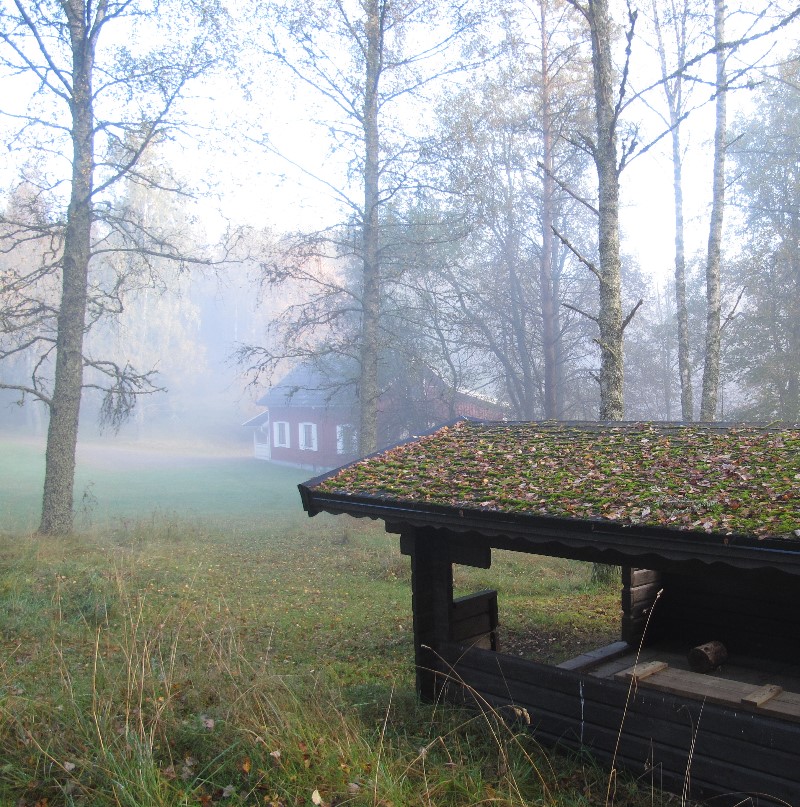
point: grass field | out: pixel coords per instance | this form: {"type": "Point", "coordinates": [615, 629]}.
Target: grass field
{"type": "Point", "coordinates": [201, 641]}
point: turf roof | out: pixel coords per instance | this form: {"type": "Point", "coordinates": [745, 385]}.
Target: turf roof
{"type": "Point", "coordinates": [730, 480]}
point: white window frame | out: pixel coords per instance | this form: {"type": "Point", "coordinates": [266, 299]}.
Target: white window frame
{"type": "Point", "coordinates": [341, 446]}
{"type": "Point", "coordinates": [301, 435]}
{"type": "Point", "coordinates": [276, 434]}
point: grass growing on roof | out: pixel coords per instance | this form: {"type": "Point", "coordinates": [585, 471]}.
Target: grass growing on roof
{"type": "Point", "coordinates": [737, 480]}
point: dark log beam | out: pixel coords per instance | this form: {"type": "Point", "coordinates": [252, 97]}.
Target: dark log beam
{"type": "Point", "coordinates": [431, 602]}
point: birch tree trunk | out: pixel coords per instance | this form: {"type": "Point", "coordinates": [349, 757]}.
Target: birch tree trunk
{"type": "Point", "coordinates": [605, 156]}
{"type": "Point", "coordinates": [369, 391]}
{"type": "Point", "coordinates": [62, 433]}
{"type": "Point", "coordinates": [708, 404]}
{"type": "Point", "coordinates": [673, 91]}
{"type": "Point", "coordinates": [681, 310]}
{"type": "Point", "coordinates": [548, 303]}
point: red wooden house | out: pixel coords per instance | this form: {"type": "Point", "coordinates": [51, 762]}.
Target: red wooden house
{"type": "Point", "coordinates": [312, 417]}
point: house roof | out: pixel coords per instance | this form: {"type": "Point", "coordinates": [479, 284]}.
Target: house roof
{"type": "Point", "coordinates": [309, 385]}
{"type": "Point", "coordinates": [678, 491]}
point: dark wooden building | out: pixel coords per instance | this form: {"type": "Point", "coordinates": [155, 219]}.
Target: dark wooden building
{"type": "Point", "coordinates": [704, 520]}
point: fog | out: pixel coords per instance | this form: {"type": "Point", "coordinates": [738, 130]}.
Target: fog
{"type": "Point", "coordinates": [189, 338]}
{"type": "Point", "coordinates": [460, 241]}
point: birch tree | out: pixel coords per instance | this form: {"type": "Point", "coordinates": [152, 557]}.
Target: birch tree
{"type": "Point", "coordinates": [358, 58]}
{"type": "Point", "coordinates": [675, 27]}
{"type": "Point", "coordinates": [604, 147]}
{"type": "Point", "coordinates": [708, 404]}
{"type": "Point", "coordinates": [108, 79]}
{"type": "Point", "coordinates": [559, 83]}
{"type": "Point", "coordinates": [499, 161]}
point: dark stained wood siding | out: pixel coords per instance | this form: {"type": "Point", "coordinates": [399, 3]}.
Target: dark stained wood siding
{"type": "Point", "coordinates": [641, 588]}
{"type": "Point", "coordinates": [721, 752]}
{"type": "Point", "coordinates": [473, 620]}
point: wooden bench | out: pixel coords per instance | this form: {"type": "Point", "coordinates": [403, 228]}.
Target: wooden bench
{"type": "Point", "coordinates": [766, 699]}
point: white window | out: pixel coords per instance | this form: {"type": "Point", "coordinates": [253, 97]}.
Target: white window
{"type": "Point", "coordinates": [280, 434]}
{"type": "Point", "coordinates": [308, 436]}
{"type": "Point", "coordinates": [346, 442]}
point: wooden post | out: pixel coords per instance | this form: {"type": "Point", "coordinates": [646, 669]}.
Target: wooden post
{"type": "Point", "coordinates": [431, 601]}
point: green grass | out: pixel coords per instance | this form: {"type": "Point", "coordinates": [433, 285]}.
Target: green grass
{"type": "Point", "coordinates": [128, 483]}
{"type": "Point", "coordinates": [201, 641]}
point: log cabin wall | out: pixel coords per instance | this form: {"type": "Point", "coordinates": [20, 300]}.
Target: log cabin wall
{"type": "Point", "coordinates": [473, 620]}
{"type": "Point", "coordinates": [671, 741]}
{"type": "Point", "coordinates": [640, 590]}
{"type": "Point", "coordinates": [754, 613]}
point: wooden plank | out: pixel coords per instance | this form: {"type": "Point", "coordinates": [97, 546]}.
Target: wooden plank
{"type": "Point", "coordinates": [718, 690]}
{"type": "Point", "coordinates": [595, 657]}
{"type": "Point", "coordinates": [639, 596]}
{"type": "Point", "coordinates": [683, 682]}
{"type": "Point", "coordinates": [431, 604]}
{"type": "Point", "coordinates": [480, 623]}
{"type": "Point", "coordinates": [638, 577]}
{"type": "Point", "coordinates": [478, 603]}
{"type": "Point", "coordinates": [632, 629]}
{"type": "Point", "coordinates": [760, 696]}
{"type": "Point", "coordinates": [473, 619]}
{"type": "Point", "coordinates": [786, 705]}
{"type": "Point", "coordinates": [712, 775]}
{"type": "Point", "coordinates": [460, 550]}
{"type": "Point", "coordinates": [475, 555]}
{"type": "Point", "coordinates": [648, 717]}
{"type": "Point", "coordinates": [641, 671]}
{"type": "Point", "coordinates": [637, 610]}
